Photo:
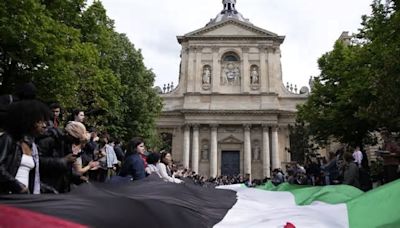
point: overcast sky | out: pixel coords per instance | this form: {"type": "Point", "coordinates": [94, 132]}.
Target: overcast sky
{"type": "Point", "coordinates": [310, 26]}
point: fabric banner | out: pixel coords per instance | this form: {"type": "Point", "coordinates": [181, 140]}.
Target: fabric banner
{"type": "Point", "coordinates": [154, 203]}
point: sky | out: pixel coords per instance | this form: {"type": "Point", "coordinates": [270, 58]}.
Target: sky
{"type": "Point", "coordinates": [311, 27]}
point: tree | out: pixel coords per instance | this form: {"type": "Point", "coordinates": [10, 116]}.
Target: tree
{"type": "Point", "coordinates": [380, 37]}
{"type": "Point", "coordinates": [30, 42]}
{"type": "Point", "coordinates": [138, 103]}
{"type": "Point", "coordinates": [301, 144]}
{"type": "Point", "coordinates": [143, 101]}
{"type": "Point", "coordinates": [339, 97]}
{"type": "Point", "coordinates": [74, 56]}
{"type": "Point", "coordinates": [356, 91]}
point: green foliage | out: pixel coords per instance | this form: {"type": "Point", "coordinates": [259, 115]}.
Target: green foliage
{"type": "Point", "coordinates": [74, 56]}
{"type": "Point", "coordinates": [301, 145]}
{"type": "Point", "coordinates": [381, 33]}
{"type": "Point", "coordinates": [356, 91]}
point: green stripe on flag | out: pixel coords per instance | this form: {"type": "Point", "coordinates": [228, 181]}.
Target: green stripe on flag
{"type": "Point", "coordinates": [377, 208]}
{"type": "Point", "coordinates": [333, 194]}
{"type": "Point", "coordinates": [305, 195]}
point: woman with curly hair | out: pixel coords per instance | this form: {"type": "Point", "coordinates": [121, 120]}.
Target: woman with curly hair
{"type": "Point", "coordinates": [19, 159]}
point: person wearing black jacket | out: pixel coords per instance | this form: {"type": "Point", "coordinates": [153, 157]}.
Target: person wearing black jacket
{"type": "Point", "coordinates": [58, 151]}
{"type": "Point", "coordinates": [19, 160]}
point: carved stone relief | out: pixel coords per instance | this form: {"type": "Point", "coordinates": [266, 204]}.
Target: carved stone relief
{"type": "Point", "coordinates": [254, 77]}
{"type": "Point", "coordinates": [230, 74]}
{"type": "Point", "coordinates": [256, 150]}
{"type": "Point", "coordinates": [204, 150]}
{"type": "Point", "coordinates": [206, 77]}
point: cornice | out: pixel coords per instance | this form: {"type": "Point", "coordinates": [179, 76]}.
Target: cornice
{"type": "Point", "coordinates": [232, 21]}
{"type": "Point", "coordinates": [232, 94]}
{"type": "Point", "coordinates": [231, 37]}
{"type": "Point", "coordinates": [263, 34]}
{"type": "Point", "coordinates": [181, 113]}
{"type": "Point", "coordinates": [236, 112]}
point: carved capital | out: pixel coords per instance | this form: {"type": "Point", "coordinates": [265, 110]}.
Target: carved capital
{"type": "Point", "coordinates": [245, 49]}
{"type": "Point", "coordinates": [215, 49]}
{"type": "Point", "coordinates": [194, 49]}
{"type": "Point", "coordinates": [195, 127]}
{"type": "Point", "coordinates": [214, 127]}
{"type": "Point", "coordinates": [186, 127]}
{"type": "Point", "coordinates": [275, 127]}
{"type": "Point", "coordinates": [247, 127]}
{"type": "Point", "coordinates": [272, 50]}
{"type": "Point", "coordinates": [265, 127]}
{"type": "Point", "coordinates": [263, 48]}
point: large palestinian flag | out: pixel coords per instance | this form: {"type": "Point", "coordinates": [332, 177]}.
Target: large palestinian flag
{"type": "Point", "coordinates": [154, 203]}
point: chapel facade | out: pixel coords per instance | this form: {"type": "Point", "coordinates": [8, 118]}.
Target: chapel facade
{"type": "Point", "coordinates": [230, 112]}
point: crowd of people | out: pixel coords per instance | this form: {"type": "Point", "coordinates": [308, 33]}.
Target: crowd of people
{"type": "Point", "coordinates": [40, 153]}
{"type": "Point", "coordinates": [343, 167]}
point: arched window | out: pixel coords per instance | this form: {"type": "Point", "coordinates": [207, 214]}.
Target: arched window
{"type": "Point", "coordinates": [230, 57]}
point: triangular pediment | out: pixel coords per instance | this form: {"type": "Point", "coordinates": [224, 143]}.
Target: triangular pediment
{"type": "Point", "coordinates": [231, 28]}
{"type": "Point", "coordinates": [231, 140]}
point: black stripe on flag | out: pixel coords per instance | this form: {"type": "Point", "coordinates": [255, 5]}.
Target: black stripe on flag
{"type": "Point", "coordinates": [147, 203]}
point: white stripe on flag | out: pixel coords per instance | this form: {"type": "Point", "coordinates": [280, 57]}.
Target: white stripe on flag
{"type": "Point", "coordinates": [261, 208]}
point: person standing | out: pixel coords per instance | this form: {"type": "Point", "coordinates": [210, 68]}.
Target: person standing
{"type": "Point", "coordinates": [19, 158]}
{"type": "Point", "coordinates": [351, 171]}
{"type": "Point", "coordinates": [78, 115]}
{"type": "Point", "coordinates": [358, 156]}
{"type": "Point", "coordinates": [56, 115]}
{"type": "Point", "coordinates": [58, 153]}
{"type": "Point", "coordinates": [134, 165]}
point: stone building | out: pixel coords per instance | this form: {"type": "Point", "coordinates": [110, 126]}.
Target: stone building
{"type": "Point", "coordinates": [230, 112]}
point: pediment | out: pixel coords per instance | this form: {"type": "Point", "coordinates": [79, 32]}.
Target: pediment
{"type": "Point", "coordinates": [231, 28]}
{"type": "Point", "coordinates": [231, 140]}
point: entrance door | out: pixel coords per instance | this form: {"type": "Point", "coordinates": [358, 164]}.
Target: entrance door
{"type": "Point", "coordinates": [230, 163]}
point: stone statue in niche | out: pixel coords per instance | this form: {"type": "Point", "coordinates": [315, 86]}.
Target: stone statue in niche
{"type": "Point", "coordinates": [206, 75]}
{"type": "Point", "coordinates": [256, 152]}
{"type": "Point", "coordinates": [231, 74]}
{"type": "Point", "coordinates": [204, 152]}
{"type": "Point", "coordinates": [254, 76]}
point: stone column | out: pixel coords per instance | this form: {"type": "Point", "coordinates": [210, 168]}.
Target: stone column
{"type": "Point", "coordinates": [265, 152]}
{"type": "Point", "coordinates": [287, 147]}
{"type": "Point", "coordinates": [276, 163]}
{"type": "Point", "coordinates": [264, 75]}
{"type": "Point", "coordinates": [247, 150]}
{"type": "Point", "coordinates": [186, 146]}
{"type": "Point", "coordinates": [214, 151]}
{"type": "Point", "coordinates": [215, 80]}
{"type": "Point", "coordinates": [191, 69]}
{"type": "Point", "coordinates": [271, 69]}
{"type": "Point", "coordinates": [245, 73]}
{"type": "Point", "coordinates": [195, 149]}
{"type": "Point", "coordinates": [198, 69]}
{"type": "Point", "coordinates": [184, 68]}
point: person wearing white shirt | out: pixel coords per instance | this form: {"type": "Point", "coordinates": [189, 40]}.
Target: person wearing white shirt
{"type": "Point", "coordinates": [358, 156]}
{"type": "Point", "coordinates": [164, 169]}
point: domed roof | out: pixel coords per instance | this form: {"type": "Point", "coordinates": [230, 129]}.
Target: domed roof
{"type": "Point", "coordinates": [228, 12]}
